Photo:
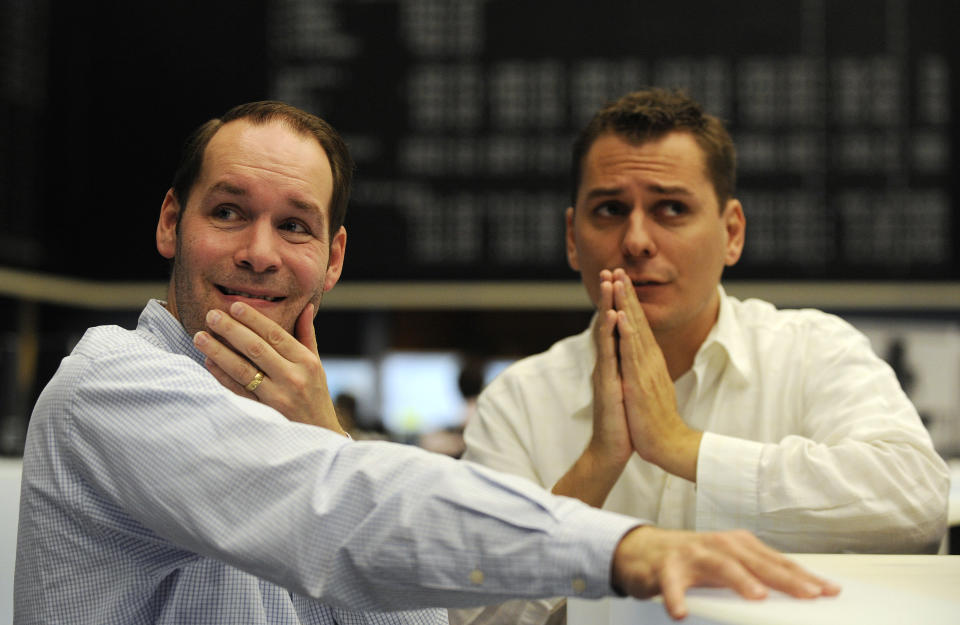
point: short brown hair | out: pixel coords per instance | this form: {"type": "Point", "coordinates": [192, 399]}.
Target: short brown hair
{"type": "Point", "coordinates": [341, 164]}
{"type": "Point", "coordinates": [652, 113]}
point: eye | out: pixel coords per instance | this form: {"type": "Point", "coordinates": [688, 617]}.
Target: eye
{"type": "Point", "coordinates": [295, 231]}
{"type": "Point", "coordinates": [294, 227]}
{"type": "Point", "coordinates": [672, 208]}
{"type": "Point", "coordinates": [225, 212]}
{"type": "Point", "coordinates": [610, 209]}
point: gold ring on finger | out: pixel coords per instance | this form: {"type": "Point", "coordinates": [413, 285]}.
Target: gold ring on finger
{"type": "Point", "coordinates": [255, 382]}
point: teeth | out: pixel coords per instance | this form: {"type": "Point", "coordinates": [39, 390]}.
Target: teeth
{"type": "Point", "coordinates": [242, 294]}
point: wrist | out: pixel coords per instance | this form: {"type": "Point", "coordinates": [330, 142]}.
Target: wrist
{"type": "Point", "coordinates": [632, 569]}
{"type": "Point", "coordinates": [605, 459]}
{"type": "Point", "coordinates": [590, 479]}
{"type": "Point", "coordinates": [677, 453]}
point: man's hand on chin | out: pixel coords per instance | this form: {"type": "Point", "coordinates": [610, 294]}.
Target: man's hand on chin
{"type": "Point", "coordinates": [650, 561]}
{"type": "Point", "coordinates": [262, 361]}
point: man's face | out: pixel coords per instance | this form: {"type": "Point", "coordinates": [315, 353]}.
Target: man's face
{"type": "Point", "coordinates": [651, 209]}
{"type": "Point", "coordinates": [255, 228]}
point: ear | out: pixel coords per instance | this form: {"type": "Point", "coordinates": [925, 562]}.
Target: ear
{"type": "Point", "coordinates": [735, 225]}
{"type": "Point", "coordinates": [167, 226]}
{"type": "Point", "coordinates": [338, 247]}
{"type": "Point", "coordinates": [571, 241]}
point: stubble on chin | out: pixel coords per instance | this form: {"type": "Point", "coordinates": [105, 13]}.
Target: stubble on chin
{"type": "Point", "coordinates": [191, 317]}
{"type": "Point", "coordinates": [192, 303]}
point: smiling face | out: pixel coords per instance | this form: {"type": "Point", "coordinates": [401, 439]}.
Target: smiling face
{"type": "Point", "coordinates": [651, 209]}
{"type": "Point", "coordinates": [255, 227]}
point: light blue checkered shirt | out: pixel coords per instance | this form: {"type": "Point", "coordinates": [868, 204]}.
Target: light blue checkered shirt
{"type": "Point", "coordinates": [151, 494]}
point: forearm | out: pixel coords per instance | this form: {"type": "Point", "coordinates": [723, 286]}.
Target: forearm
{"type": "Point", "coordinates": [800, 495]}
{"type": "Point", "coordinates": [676, 453]}
{"type": "Point", "coordinates": [366, 525]}
{"type": "Point", "coordinates": [468, 535]}
{"type": "Point", "coordinates": [590, 479]}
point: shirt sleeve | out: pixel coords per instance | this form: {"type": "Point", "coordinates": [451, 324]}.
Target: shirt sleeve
{"type": "Point", "coordinates": [860, 474]}
{"type": "Point", "coordinates": [497, 435]}
{"type": "Point", "coordinates": [359, 525]}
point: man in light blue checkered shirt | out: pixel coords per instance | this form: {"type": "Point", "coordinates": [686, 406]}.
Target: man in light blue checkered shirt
{"type": "Point", "coordinates": [168, 479]}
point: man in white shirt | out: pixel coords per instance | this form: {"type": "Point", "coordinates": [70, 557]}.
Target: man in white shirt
{"type": "Point", "coordinates": [683, 405]}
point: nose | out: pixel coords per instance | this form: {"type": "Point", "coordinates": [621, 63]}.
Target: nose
{"type": "Point", "coordinates": [638, 241]}
{"type": "Point", "coordinates": [258, 248]}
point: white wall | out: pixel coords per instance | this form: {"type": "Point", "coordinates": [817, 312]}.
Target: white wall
{"type": "Point", "coordinates": [10, 471]}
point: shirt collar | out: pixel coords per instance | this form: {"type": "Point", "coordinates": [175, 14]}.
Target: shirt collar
{"type": "Point", "coordinates": [160, 327]}
{"type": "Point", "coordinates": [583, 386]}
{"type": "Point", "coordinates": [725, 338]}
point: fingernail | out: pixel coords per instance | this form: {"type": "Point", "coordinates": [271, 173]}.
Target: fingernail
{"type": "Point", "coordinates": [200, 338]}
{"type": "Point", "coordinates": [237, 309]}
{"type": "Point", "coordinates": [812, 589]}
{"type": "Point", "coordinates": [213, 316]}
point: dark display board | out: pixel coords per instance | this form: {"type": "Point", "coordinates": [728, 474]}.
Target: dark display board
{"type": "Point", "coordinates": [461, 114]}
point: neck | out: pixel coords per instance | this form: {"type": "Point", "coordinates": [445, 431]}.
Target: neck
{"type": "Point", "coordinates": [680, 344]}
{"type": "Point", "coordinates": [171, 303]}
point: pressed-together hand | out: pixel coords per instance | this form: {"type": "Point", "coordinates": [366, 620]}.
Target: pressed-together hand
{"type": "Point", "coordinates": [596, 471]}
{"type": "Point", "coordinates": [293, 380]}
{"type": "Point", "coordinates": [658, 433]}
{"type": "Point", "coordinates": [650, 560]}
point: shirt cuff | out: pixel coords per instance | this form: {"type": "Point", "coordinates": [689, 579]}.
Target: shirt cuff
{"type": "Point", "coordinates": [727, 477]}
{"type": "Point", "coordinates": [589, 535]}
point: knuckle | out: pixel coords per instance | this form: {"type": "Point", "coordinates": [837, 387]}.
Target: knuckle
{"type": "Point", "coordinates": [255, 349]}
{"type": "Point", "coordinates": [298, 382]}
{"type": "Point", "coordinates": [239, 372]}
{"type": "Point", "coordinates": [275, 336]}
{"type": "Point", "coordinates": [743, 535]}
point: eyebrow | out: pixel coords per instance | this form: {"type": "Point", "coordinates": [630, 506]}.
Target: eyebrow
{"type": "Point", "coordinates": [226, 187]}
{"type": "Point", "coordinates": [676, 190]}
{"type": "Point", "coordinates": [231, 189]}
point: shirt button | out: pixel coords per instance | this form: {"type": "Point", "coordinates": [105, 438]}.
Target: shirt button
{"type": "Point", "coordinates": [476, 576]}
{"type": "Point", "coordinates": [578, 584]}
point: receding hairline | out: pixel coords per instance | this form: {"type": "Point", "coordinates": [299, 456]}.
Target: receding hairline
{"type": "Point", "coordinates": [193, 153]}
{"type": "Point", "coordinates": [254, 123]}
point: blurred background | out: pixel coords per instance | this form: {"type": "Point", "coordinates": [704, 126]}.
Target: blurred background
{"type": "Point", "coordinates": [460, 116]}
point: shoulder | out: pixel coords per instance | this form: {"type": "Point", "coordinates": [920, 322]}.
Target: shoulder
{"type": "Point", "coordinates": [123, 367]}
{"type": "Point", "coordinates": [113, 346]}
{"type": "Point", "coordinates": [94, 378]}
{"type": "Point", "coordinates": [101, 340]}
{"type": "Point", "coordinates": [761, 318]}
{"type": "Point", "coordinates": [567, 360]}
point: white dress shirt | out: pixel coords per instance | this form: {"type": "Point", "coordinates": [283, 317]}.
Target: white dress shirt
{"type": "Point", "coordinates": [152, 494]}
{"type": "Point", "coordinates": [809, 440]}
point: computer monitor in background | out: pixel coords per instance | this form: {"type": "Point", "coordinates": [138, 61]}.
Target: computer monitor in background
{"type": "Point", "coordinates": [419, 392]}
{"type": "Point", "coordinates": [494, 367]}
{"type": "Point", "coordinates": [358, 377]}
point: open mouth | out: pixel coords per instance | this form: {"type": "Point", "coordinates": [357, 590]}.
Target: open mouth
{"type": "Point", "coordinates": [236, 293]}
